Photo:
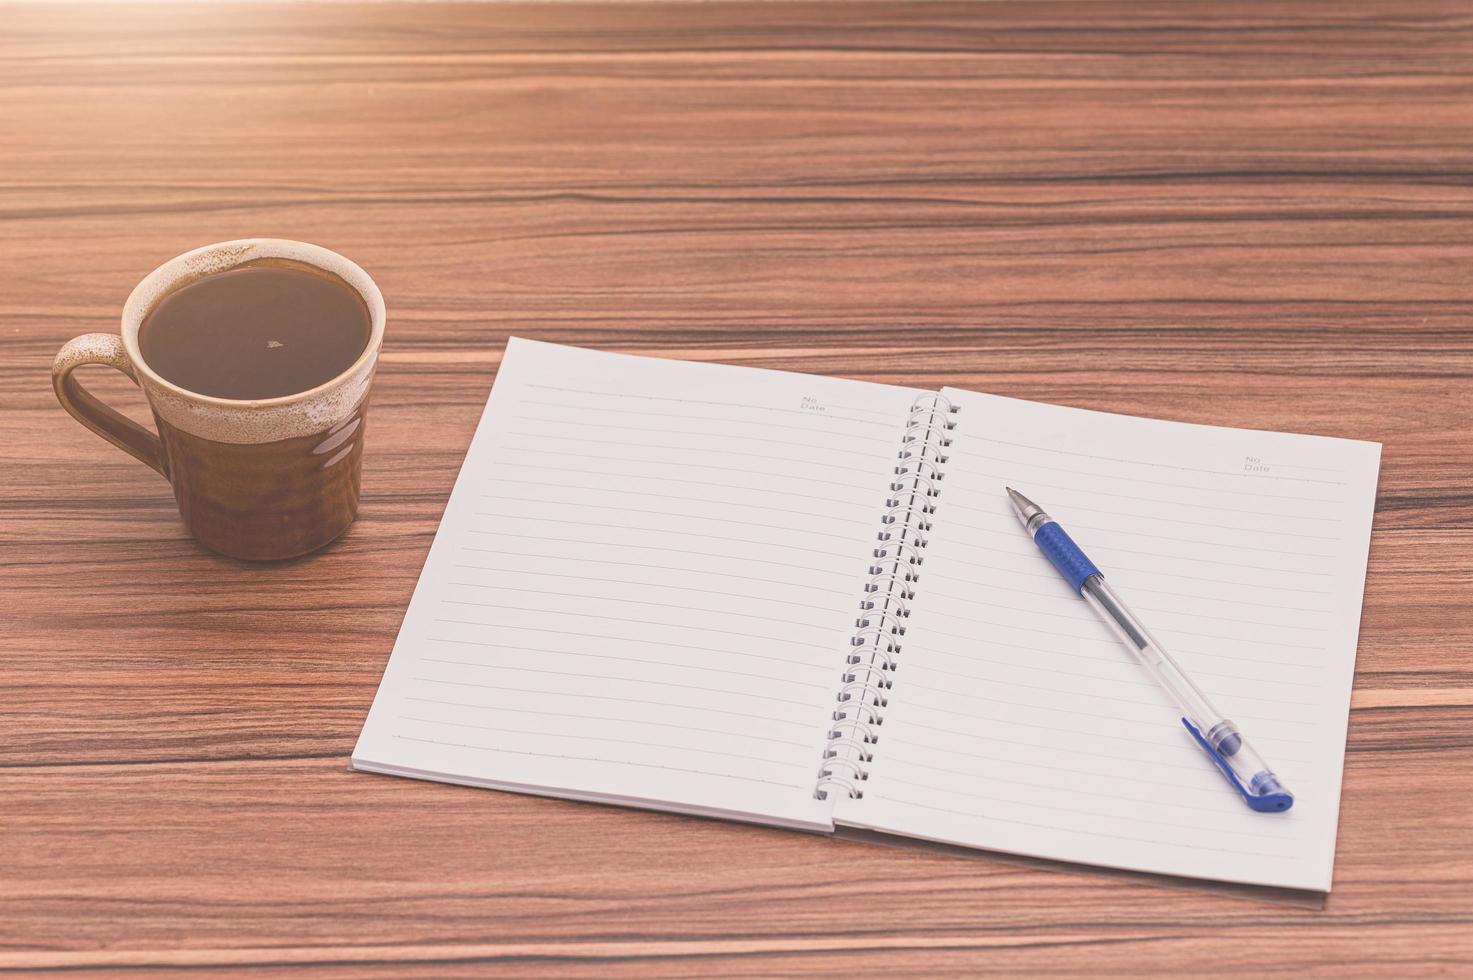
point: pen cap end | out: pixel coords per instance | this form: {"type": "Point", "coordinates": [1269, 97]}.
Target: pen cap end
{"type": "Point", "coordinates": [1265, 783]}
{"type": "Point", "coordinates": [1262, 791]}
{"type": "Point", "coordinates": [1272, 802]}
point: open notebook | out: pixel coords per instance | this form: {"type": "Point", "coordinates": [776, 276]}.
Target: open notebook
{"type": "Point", "coordinates": [683, 586]}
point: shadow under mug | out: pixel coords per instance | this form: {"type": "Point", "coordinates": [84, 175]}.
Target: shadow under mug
{"type": "Point", "coordinates": [262, 479]}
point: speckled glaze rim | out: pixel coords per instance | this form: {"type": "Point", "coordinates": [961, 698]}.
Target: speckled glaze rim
{"type": "Point", "coordinates": [265, 419]}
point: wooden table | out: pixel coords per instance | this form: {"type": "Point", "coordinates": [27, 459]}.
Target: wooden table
{"type": "Point", "coordinates": [1249, 214]}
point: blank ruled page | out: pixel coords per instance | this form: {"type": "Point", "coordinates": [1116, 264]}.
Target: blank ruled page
{"type": "Point", "coordinates": [643, 586]}
{"type": "Point", "coordinates": [1017, 720]}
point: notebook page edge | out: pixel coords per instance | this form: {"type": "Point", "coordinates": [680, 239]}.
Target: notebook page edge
{"type": "Point", "coordinates": [1363, 553]}
{"type": "Point", "coordinates": [630, 802]}
{"type": "Point", "coordinates": [1308, 898]}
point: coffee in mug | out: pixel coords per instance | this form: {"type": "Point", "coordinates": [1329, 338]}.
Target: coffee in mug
{"type": "Point", "coordinates": [256, 331]}
{"type": "Point", "coordinates": [256, 357]}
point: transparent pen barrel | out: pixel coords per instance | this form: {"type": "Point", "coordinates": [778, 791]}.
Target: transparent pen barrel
{"type": "Point", "coordinates": [1220, 733]}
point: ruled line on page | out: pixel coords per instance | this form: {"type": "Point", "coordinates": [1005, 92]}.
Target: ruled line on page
{"type": "Point", "coordinates": [1075, 638]}
{"type": "Point", "coordinates": [1193, 652]}
{"type": "Point", "coordinates": [613, 619]}
{"type": "Point", "coordinates": [1136, 763]}
{"type": "Point", "coordinates": [610, 740]}
{"type": "Point", "coordinates": [1165, 752]}
{"type": "Point", "coordinates": [1094, 492]}
{"type": "Point", "coordinates": [603, 409]}
{"type": "Point", "coordinates": [1213, 597]}
{"type": "Point", "coordinates": [612, 720]}
{"type": "Point", "coordinates": [600, 759]}
{"type": "Point", "coordinates": [649, 530]}
{"type": "Point", "coordinates": [1127, 664]}
{"type": "Point", "coordinates": [1102, 641]}
{"type": "Point", "coordinates": [663, 605]}
{"type": "Point", "coordinates": [988, 566]}
{"type": "Point", "coordinates": [974, 601]}
{"type": "Point", "coordinates": [677, 551]}
{"type": "Point", "coordinates": [1136, 702]}
{"type": "Point", "coordinates": [743, 654]}
{"type": "Point", "coordinates": [1134, 818]}
{"type": "Point", "coordinates": [1012, 532]}
{"type": "Point", "coordinates": [1193, 559]}
{"type": "Point", "coordinates": [665, 478]}
{"type": "Point", "coordinates": [1049, 597]}
{"type": "Point", "coordinates": [1094, 695]}
{"type": "Point", "coordinates": [852, 522]}
{"type": "Point", "coordinates": [1175, 785]}
{"type": "Point", "coordinates": [1086, 833]}
{"type": "Point", "coordinates": [882, 418]}
{"type": "Point", "coordinates": [679, 588]}
{"type": "Point", "coordinates": [701, 708]}
{"type": "Point", "coordinates": [806, 586]}
{"type": "Point", "coordinates": [767, 678]}
{"type": "Point", "coordinates": [1147, 462]}
{"type": "Point", "coordinates": [1157, 519]}
{"type": "Point", "coordinates": [1008, 462]}
{"type": "Point", "coordinates": [634, 602]}
{"type": "Point", "coordinates": [1032, 706]}
{"type": "Point", "coordinates": [997, 516]}
{"type": "Point", "coordinates": [723, 436]}
{"type": "Point", "coordinates": [1065, 503]}
{"type": "Point", "coordinates": [1096, 638]}
{"type": "Point", "coordinates": [822, 445]}
{"type": "Point", "coordinates": [1154, 743]}
{"type": "Point", "coordinates": [723, 452]}
{"type": "Point", "coordinates": [712, 519]}
{"type": "Point", "coordinates": [1099, 679]}
{"type": "Point", "coordinates": [1080, 791]}
{"type": "Point", "coordinates": [730, 692]}
{"type": "Point", "coordinates": [1095, 475]}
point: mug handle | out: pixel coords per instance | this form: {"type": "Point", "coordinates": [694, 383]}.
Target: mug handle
{"type": "Point", "coordinates": [116, 428]}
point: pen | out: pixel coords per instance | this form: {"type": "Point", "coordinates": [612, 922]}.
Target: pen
{"type": "Point", "coordinates": [1220, 738]}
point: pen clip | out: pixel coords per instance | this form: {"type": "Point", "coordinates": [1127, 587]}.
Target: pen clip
{"type": "Point", "coordinates": [1266, 803]}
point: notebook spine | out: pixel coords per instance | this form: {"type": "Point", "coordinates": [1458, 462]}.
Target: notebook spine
{"type": "Point", "coordinates": [894, 570]}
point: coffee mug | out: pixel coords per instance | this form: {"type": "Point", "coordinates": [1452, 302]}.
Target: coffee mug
{"type": "Point", "coordinates": [255, 479]}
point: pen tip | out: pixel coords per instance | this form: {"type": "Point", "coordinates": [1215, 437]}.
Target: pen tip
{"type": "Point", "coordinates": [1022, 506]}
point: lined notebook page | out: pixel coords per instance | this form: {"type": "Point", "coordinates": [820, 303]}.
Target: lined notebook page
{"type": "Point", "coordinates": [1019, 723]}
{"type": "Point", "coordinates": [643, 586]}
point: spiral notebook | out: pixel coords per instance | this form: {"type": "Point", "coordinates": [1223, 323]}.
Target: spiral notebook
{"type": "Point", "coordinates": [804, 601]}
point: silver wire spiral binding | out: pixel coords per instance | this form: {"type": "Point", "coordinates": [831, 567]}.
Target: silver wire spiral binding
{"type": "Point", "coordinates": [885, 606]}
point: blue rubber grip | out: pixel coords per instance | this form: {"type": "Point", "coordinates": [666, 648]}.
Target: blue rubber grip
{"type": "Point", "coordinates": [1065, 554]}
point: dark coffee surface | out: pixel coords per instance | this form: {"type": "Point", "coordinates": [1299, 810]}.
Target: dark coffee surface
{"type": "Point", "coordinates": [256, 332]}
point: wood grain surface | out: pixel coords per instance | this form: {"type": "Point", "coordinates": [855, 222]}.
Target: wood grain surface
{"type": "Point", "coordinates": [1252, 214]}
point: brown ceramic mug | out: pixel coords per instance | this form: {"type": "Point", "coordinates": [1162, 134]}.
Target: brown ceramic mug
{"type": "Point", "coordinates": [261, 479]}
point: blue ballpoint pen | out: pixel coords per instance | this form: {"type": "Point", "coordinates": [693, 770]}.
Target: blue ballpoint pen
{"type": "Point", "coordinates": [1243, 767]}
